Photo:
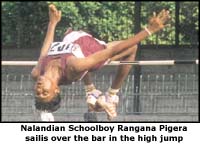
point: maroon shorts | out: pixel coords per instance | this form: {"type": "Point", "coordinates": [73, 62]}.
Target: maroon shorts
{"type": "Point", "coordinates": [90, 46]}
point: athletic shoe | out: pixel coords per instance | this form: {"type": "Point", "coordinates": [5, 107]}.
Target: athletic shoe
{"type": "Point", "coordinates": [91, 98]}
{"type": "Point", "coordinates": [109, 104]}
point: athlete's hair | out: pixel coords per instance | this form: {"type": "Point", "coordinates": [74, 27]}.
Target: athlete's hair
{"type": "Point", "coordinates": [51, 106]}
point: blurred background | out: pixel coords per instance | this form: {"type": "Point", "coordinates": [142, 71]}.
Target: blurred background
{"type": "Point", "coordinates": [150, 93]}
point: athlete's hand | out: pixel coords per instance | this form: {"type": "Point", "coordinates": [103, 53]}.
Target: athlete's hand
{"type": "Point", "coordinates": [54, 14]}
{"type": "Point", "coordinates": [158, 22]}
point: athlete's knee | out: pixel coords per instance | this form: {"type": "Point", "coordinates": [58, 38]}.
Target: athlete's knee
{"type": "Point", "coordinates": [132, 54]}
{"type": "Point", "coordinates": [135, 47]}
{"type": "Point", "coordinates": [130, 57]}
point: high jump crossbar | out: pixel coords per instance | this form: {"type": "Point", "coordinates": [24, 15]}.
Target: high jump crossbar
{"type": "Point", "coordinates": [150, 62]}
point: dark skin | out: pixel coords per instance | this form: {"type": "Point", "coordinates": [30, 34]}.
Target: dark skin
{"type": "Point", "coordinates": [46, 86]}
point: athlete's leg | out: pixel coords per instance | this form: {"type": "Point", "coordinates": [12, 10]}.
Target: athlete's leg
{"type": "Point", "coordinates": [123, 70]}
{"type": "Point", "coordinates": [156, 23]}
{"type": "Point", "coordinates": [110, 101]}
{"type": "Point", "coordinates": [87, 79]}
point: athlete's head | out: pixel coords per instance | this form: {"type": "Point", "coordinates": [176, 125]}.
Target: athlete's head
{"type": "Point", "coordinates": [51, 106]}
{"type": "Point", "coordinates": [47, 94]}
{"type": "Point", "coordinates": [46, 89]}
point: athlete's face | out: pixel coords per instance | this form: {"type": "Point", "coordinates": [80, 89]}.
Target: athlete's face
{"type": "Point", "coordinates": [46, 89]}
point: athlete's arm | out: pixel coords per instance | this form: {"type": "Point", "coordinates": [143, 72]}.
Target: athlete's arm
{"type": "Point", "coordinates": [54, 18]}
{"type": "Point", "coordinates": [47, 42]}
